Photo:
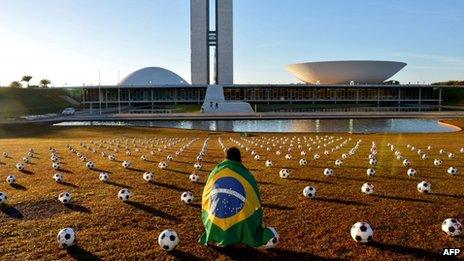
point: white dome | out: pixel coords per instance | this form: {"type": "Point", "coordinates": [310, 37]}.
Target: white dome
{"type": "Point", "coordinates": [343, 72]}
{"type": "Point", "coordinates": [152, 76]}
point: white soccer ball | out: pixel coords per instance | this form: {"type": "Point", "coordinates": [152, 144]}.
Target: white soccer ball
{"type": "Point", "coordinates": [442, 151]}
{"type": "Point", "coordinates": [169, 157]}
{"type": "Point", "coordinates": [104, 177]}
{"type": "Point", "coordinates": [452, 227]}
{"type": "Point", "coordinates": [66, 237]}
{"type": "Point", "coordinates": [268, 163]}
{"type": "Point", "coordinates": [362, 232]}
{"type": "Point", "coordinates": [5, 154]}
{"type": "Point", "coordinates": [303, 162]}
{"type": "Point", "coordinates": [437, 162]}
{"type": "Point", "coordinates": [58, 177]}
{"type": "Point", "coordinates": [124, 194]}
{"type": "Point", "coordinates": [65, 197]}
{"type": "Point", "coordinates": [197, 165]}
{"type": "Point", "coordinates": [3, 197]}
{"type": "Point", "coordinates": [288, 156]}
{"type": "Point", "coordinates": [126, 164]}
{"type": "Point", "coordinates": [168, 240]}
{"type": "Point", "coordinates": [406, 162]}
{"type": "Point", "coordinates": [373, 161]}
{"type": "Point", "coordinates": [424, 187]}
{"type": "Point", "coordinates": [111, 157]}
{"type": "Point", "coordinates": [411, 172]}
{"type": "Point", "coordinates": [20, 166]}
{"type": "Point", "coordinates": [309, 192]}
{"type": "Point", "coordinates": [272, 243]}
{"type": "Point", "coordinates": [54, 158]}
{"type": "Point", "coordinates": [425, 157]}
{"type": "Point", "coordinates": [367, 188]}
{"type": "Point", "coordinates": [344, 156]}
{"type": "Point", "coordinates": [194, 178]}
{"type": "Point", "coordinates": [338, 162]}
{"type": "Point", "coordinates": [451, 155]}
{"type": "Point", "coordinates": [187, 197]}
{"type": "Point", "coordinates": [56, 165]}
{"type": "Point", "coordinates": [11, 180]}
{"type": "Point", "coordinates": [143, 158]}
{"type": "Point", "coordinates": [257, 157]}
{"type": "Point", "coordinates": [162, 165]}
{"type": "Point", "coordinates": [90, 165]}
{"type": "Point", "coordinates": [328, 172]}
{"type": "Point", "coordinates": [453, 171]}
{"type": "Point", "coordinates": [284, 173]}
{"type": "Point", "coordinates": [148, 176]}
{"type": "Point", "coordinates": [461, 150]}
{"type": "Point", "coordinates": [370, 172]}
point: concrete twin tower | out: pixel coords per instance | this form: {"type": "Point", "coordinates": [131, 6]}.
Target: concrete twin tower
{"type": "Point", "coordinates": [211, 32]}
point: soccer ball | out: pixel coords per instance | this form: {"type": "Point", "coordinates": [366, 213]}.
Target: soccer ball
{"type": "Point", "coordinates": [437, 162]}
{"type": "Point", "coordinates": [268, 163]}
{"type": "Point", "coordinates": [187, 197]}
{"type": "Point", "coordinates": [367, 188]}
{"type": "Point", "coordinates": [20, 166]}
{"type": "Point", "coordinates": [272, 243]}
{"type": "Point", "coordinates": [309, 192]}
{"type": "Point", "coordinates": [124, 194]}
{"type": "Point", "coordinates": [316, 156]}
{"type": "Point", "coordinates": [453, 171]}
{"type": "Point", "coordinates": [328, 172]}
{"type": "Point", "coordinates": [169, 157]}
{"type": "Point", "coordinates": [284, 173]}
{"type": "Point", "coordinates": [3, 198]}
{"type": "Point", "coordinates": [126, 164]}
{"type": "Point", "coordinates": [411, 172]}
{"type": "Point", "coordinates": [65, 197]}
{"type": "Point", "coordinates": [451, 155]}
{"type": "Point", "coordinates": [344, 156]}
{"type": "Point", "coordinates": [143, 158]}
{"type": "Point", "coordinates": [452, 227]}
{"type": "Point", "coordinates": [278, 153]}
{"type": "Point", "coordinates": [162, 165]}
{"type": "Point", "coordinates": [54, 158]}
{"type": "Point", "coordinates": [168, 240]}
{"type": "Point", "coordinates": [425, 157]}
{"type": "Point", "coordinates": [111, 157]}
{"type": "Point", "coordinates": [288, 157]}
{"type": "Point", "coordinates": [90, 165]}
{"type": "Point", "coordinates": [424, 187]}
{"type": "Point", "coordinates": [361, 232]}
{"type": "Point", "coordinates": [128, 153]}
{"type": "Point", "coordinates": [373, 161]}
{"type": "Point", "coordinates": [442, 151]}
{"type": "Point", "coordinates": [197, 165]}
{"type": "Point", "coordinates": [406, 162]}
{"type": "Point", "coordinates": [370, 172]}
{"type": "Point", "coordinates": [194, 178]}
{"type": "Point", "coordinates": [303, 162]}
{"type": "Point", "coordinates": [5, 154]}
{"type": "Point", "coordinates": [11, 179]}
{"type": "Point", "coordinates": [58, 177]}
{"type": "Point", "coordinates": [148, 176]}
{"type": "Point", "coordinates": [257, 157]}
{"type": "Point", "coordinates": [338, 163]}
{"type": "Point", "coordinates": [104, 177]}
{"type": "Point", "coordinates": [56, 165]}
{"type": "Point", "coordinates": [66, 237]}
{"type": "Point", "coordinates": [461, 151]}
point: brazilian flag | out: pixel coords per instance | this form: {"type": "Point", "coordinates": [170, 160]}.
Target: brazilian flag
{"type": "Point", "coordinates": [231, 208]}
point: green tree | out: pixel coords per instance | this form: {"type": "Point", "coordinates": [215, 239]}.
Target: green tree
{"type": "Point", "coordinates": [44, 83]}
{"type": "Point", "coordinates": [15, 84]}
{"type": "Point", "coordinates": [26, 78]}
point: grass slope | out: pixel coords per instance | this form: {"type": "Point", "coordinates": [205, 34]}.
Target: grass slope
{"type": "Point", "coordinates": [19, 102]}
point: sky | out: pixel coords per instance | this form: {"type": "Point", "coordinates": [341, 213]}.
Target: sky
{"type": "Point", "coordinates": [75, 42]}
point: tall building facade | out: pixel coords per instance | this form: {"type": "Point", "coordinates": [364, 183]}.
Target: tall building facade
{"type": "Point", "coordinates": [203, 39]}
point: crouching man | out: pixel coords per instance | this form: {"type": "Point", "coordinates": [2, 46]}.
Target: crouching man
{"type": "Point", "coordinates": [231, 207]}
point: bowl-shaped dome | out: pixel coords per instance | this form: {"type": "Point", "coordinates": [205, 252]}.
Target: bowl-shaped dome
{"type": "Point", "coordinates": [344, 72]}
{"type": "Point", "coordinates": [152, 76]}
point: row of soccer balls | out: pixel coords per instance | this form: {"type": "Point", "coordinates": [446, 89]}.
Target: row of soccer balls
{"type": "Point", "coordinates": [361, 232]}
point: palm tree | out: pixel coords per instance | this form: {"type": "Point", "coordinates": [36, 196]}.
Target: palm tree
{"type": "Point", "coordinates": [44, 83]}
{"type": "Point", "coordinates": [15, 84]}
{"type": "Point", "coordinates": [26, 78]}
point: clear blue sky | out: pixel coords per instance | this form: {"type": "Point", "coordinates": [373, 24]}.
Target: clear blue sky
{"type": "Point", "coordinates": [69, 41]}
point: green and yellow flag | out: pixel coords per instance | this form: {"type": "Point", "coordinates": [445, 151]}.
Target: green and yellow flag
{"type": "Point", "coordinates": [231, 208]}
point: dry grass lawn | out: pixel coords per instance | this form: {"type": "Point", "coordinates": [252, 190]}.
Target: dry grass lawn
{"type": "Point", "coordinates": [406, 223]}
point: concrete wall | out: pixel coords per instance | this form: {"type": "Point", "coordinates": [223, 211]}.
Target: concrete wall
{"type": "Point", "coordinates": [225, 49]}
{"type": "Point", "coordinates": [199, 26]}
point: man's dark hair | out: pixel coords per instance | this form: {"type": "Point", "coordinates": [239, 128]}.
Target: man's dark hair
{"type": "Point", "coordinates": [233, 154]}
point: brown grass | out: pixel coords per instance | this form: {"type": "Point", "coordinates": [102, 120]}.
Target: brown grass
{"type": "Point", "coordinates": [406, 223]}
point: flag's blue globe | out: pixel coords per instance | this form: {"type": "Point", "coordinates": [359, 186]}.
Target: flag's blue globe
{"type": "Point", "coordinates": [228, 197]}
